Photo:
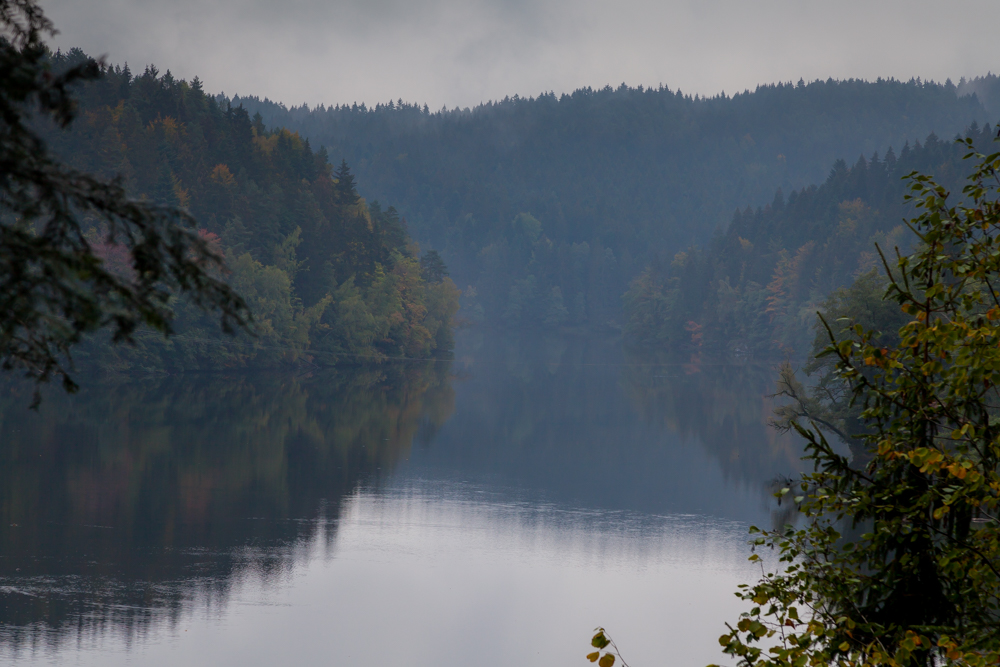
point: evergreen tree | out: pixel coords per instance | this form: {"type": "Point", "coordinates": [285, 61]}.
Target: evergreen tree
{"type": "Point", "coordinates": [432, 267]}
{"type": "Point", "coordinates": [346, 191]}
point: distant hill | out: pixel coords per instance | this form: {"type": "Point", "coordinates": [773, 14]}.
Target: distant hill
{"type": "Point", "coordinates": [607, 178]}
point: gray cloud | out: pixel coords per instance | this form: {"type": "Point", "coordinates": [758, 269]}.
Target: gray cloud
{"type": "Point", "coordinates": [461, 53]}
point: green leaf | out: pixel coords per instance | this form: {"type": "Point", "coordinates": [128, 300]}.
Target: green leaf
{"type": "Point", "coordinates": [607, 660]}
{"type": "Point", "coordinates": [599, 640]}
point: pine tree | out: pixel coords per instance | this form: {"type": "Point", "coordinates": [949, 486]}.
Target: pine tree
{"type": "Point", "coordinates": [347, 193]}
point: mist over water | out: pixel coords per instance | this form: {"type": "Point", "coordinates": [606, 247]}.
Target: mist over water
{"type": "Point", "coordinates": [480, 511]}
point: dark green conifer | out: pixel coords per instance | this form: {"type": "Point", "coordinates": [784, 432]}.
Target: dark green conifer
{"type": "Point", "coordinates": [347, 193]}
{"type": "Point", "coordinates": [432, 267]}
{"type": "Point", "coordinates": [258, 123]}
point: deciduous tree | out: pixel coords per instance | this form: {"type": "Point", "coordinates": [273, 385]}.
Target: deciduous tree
{"type": "Point", "coordinates": [898, 561]}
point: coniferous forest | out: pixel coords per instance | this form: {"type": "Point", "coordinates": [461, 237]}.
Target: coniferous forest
{"type": "Point", "coordinates": [607, 208]}
{"type": "Point", "coordinates": [327, 275]}
{"type": "Point", "coordinates": [549, 207]}
{"type": "Point", "coordinates": [754, 291]}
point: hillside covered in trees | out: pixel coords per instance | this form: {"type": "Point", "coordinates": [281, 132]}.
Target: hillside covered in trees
{"type": "Point", "coordinates": [755, 290]}
{"type": "Point", "coordinates": [548, 207]}
{"type": "Point", "coordinates": [327, 275]}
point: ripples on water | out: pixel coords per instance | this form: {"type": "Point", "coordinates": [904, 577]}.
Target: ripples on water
{"type": "Point", "coordinates": [485, 511]}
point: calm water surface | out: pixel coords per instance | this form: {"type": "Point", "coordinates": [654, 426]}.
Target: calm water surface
{"type": "Point", "coordinates": [486, 511]}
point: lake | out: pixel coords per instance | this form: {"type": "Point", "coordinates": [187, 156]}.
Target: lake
{"type": "Point", "coordinates": [489, 510]}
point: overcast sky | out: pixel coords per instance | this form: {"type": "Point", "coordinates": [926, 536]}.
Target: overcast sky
{"type": "Point", "coordinates": [445, 52]}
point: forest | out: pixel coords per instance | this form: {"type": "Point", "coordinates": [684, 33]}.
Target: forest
{"type": "Point", "coordinates": [603, 209]}
{"type": "Point", "coordinates": [754, 291]}
{"type": "Point", "coordinates": [327, 275]}
{"type": "Point", "coordinates": [548, 207]}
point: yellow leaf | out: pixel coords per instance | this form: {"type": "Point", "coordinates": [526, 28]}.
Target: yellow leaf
{"type": "Point", "coordinates": [594, 656]}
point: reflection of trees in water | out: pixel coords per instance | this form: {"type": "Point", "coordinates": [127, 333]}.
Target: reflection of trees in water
{"type": "Point", "coordinates": [547, 394]}
{"type": "Point", "coordinates": [570, 420]}
{"type": "Point", "coordinates": [125, 502]}
{"type": "Point", "coordinates": [725, 408]}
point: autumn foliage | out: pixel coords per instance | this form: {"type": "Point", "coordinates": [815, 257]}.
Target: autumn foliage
{"type": "Point", "coordinates": [328, 276]}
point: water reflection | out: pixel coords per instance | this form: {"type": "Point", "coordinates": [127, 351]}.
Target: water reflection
{"type": "Point", "coordinates": [541, 486]}
{"type": "Point", "coordinates": [576, 421]}
{"type": "Point", "coordinates": [725, 408]}
{"type": "Point", "coordinates": [124, 503]}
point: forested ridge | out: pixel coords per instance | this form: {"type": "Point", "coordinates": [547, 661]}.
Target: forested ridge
{"type": "Point", "coordinates": [548, 207]}
{"type": "Point", "coordinates": [327, 275]}
{"type": "Point", "coordinates": [755, 290]}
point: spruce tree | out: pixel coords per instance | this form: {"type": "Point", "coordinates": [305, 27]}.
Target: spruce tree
{"type": "Point", "coordinates": [347, 193]}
